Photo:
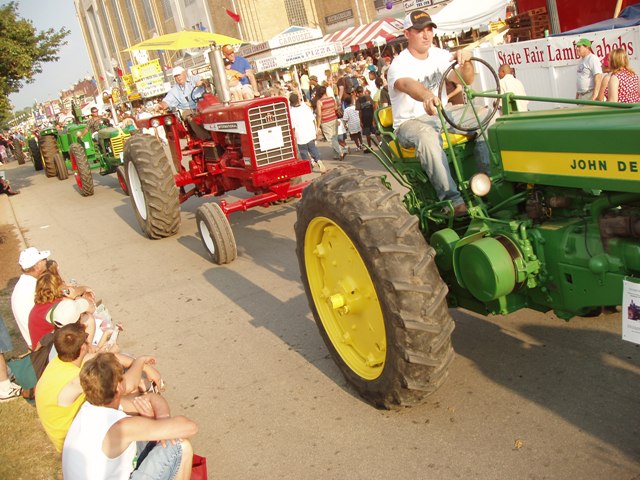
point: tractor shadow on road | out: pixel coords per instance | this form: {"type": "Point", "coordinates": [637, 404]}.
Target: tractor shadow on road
{"type": "Point", "coordinates": [20, 176]}
{"type": "Point", "coordinates": [290, 320]}
{"type": "Point", "coordinates": [587, 376]}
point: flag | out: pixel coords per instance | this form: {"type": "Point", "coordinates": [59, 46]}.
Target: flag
{"type": "Point", "coordinates": [235, 16]}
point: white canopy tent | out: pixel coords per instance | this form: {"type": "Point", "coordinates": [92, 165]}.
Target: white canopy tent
{"type": "Point", "coordinates": [461, 15]}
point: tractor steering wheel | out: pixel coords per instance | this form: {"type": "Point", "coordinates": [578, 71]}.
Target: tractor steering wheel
{"type": "Point", "coordinates": [197, 93]}
{"type": "Point", "coordinates": [475, 112]}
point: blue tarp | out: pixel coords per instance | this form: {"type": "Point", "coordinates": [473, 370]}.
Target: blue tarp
{"type": "Point", "coordinates": [629, 17]}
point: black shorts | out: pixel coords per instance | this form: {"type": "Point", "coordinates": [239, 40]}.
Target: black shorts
{"type": "Point", "coordinates": [370, 130]}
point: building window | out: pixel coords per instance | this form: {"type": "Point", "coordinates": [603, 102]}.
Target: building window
{"type": "Point", "coordinates": [148, 15]}
{"type": "Point", "coordinates": [118, 21]}
{"type": "Point", "coordinates": [106, 28]}
{"type": "Point", "coordinates": [168, 13]}
{"type": "Point", "coordinates": [296, 14]}
{"type": "Point", "coordinates": [132, 20]}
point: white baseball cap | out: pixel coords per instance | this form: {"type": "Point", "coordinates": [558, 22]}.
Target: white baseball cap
{"type": "Point", "coordinates": [177, 71]}
{"type": "Point", "coordinates": [67, 311]}
{"type": "Point", "coordinates": [30, 256]}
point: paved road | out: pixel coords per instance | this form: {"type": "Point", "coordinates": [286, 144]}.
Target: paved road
{"type": "Point", "coordinates": [529, 396]}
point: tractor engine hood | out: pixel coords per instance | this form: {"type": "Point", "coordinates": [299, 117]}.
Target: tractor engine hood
{"type": "Point", "coordinates": [594, 148]}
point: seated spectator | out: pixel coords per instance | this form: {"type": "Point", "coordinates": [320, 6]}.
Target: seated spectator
{"type": "Point", "coordinates": [58, 392]}
{"type": "Point", "coordinates": [50, 290]}
{"type": "Point", "coordinates": [8, 389]}
{"type": "Point", "coordinates": [33, 264]}
{"type": "Point", "coordinates": [101, 442]}
{"type": "Point", "coordinates": [5, 187]}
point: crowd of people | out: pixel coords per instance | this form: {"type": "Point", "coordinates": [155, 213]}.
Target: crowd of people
{"type": "Point", "coordinates": [100, 408]}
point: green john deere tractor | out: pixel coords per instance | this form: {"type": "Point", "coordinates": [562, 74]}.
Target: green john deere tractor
{"type": "Point", "coordinates": [553, 223]}
{"type": "Point", "coordinates": [64, 150]}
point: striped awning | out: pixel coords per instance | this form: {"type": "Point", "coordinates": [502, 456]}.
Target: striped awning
{"type": "Point", "coordinates": [367, 36]}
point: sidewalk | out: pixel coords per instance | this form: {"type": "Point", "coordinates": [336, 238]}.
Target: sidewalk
{"type": "Point", "coordinates": [7, 214]}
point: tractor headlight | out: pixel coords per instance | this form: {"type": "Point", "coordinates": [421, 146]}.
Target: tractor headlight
{"type": "Point", "coordinates": [168, 120]}
{"type": "Point", "coordinates": [155, 123]}
{"type": "Point", "coordinates": [480, 184]}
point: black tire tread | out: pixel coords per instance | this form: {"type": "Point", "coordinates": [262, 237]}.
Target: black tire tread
{"type": "Point", "coordinates": [158, 186]}
{"type": "Point", "coordinates": [220, 230]}
{"type": "Point", "coordinates": [401, 264]}
{"type": "Point", "coordinates": [84, 170]}
{"type": "Point", "coordinates": [49, 149]}
{"type": "Point", "coordinates": [36, 156]}
{"type": "Point", "coordinates": [61, 167]}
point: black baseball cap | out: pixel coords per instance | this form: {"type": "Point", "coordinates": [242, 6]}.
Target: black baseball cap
{"type": "Point", "coordinates": [418, 19]}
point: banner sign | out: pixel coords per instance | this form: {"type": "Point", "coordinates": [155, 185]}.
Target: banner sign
{"type": "Point", "coordinates": [297, 55]}
{"type": "Point", "coordinates": [561, 51]}
{"type": "Point", "coordinates": [146, 70]}
{"type": "Point", "coordinates": [338, 17]}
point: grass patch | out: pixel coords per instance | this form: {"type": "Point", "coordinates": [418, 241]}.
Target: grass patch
{"type": "Point", "coordinates": [25, 450]}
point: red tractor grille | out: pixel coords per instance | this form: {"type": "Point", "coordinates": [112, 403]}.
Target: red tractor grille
{"type": "Point", "coordinates": [271, 133]}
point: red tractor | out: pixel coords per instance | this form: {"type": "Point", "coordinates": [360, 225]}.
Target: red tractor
{"type": "Point", "coordinates": [249, 144]}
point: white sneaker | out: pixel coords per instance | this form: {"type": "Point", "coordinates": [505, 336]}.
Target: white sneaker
{"type": "Point", "coordinates": [321, 166]}
{"type": "Point", "coordinates": [12, 394]}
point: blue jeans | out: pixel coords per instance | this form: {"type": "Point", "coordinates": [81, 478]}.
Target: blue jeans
{"type": "Point", "coordinates": [156, 462]}
{"type": "Point", "coordinates": [5, 339]}
{"type": "Point", "coordinates": [309, 149]}
{"type": "Point", "coordinates": [423, 134]}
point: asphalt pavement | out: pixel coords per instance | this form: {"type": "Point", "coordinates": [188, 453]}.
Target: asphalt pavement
{"type": "Point", "coordinates": [528, 396]}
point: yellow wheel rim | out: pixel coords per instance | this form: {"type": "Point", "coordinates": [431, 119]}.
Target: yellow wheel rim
{"type": "Point", "coordinates": [345, 298]}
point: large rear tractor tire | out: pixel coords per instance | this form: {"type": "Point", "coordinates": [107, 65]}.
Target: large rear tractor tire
{"type": "Point", "coordinates": [216, 233]}
{"type": "Point", "coordinates": [122, 179]}
{"type": "Point", "coordinates": [18, 153]}
{"type": "Point", "coordinates": [373, 288]}
{"type": "Point", "coordinates": [49, 149]}
{"type": "Point", "coordinates": [82, 169]}
{"type": "Point", "coordinates": [153, 191]}
{"type": "Point", "coordinates": [61, 167]}
{"type": "Point", "coordinates": [36, 156]}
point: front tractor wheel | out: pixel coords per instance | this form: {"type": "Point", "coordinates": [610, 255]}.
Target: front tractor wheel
{"type": "Point", "coordinates": [36, 156]}
{"type": "Point", "coordinates": [49, 149]}
{"type": "Point", "coordinates": [373, 288]}
{"type": "Point", "coordinates": [61, 167]}
{"type": "Point", "coordinates": [216, 233]}
{"type": "Point", "coordinates": [80, 163]}
{"type": "Point", "coordinates": [154, 195]}
{"type": "Point", "coordinates": [122, 179]}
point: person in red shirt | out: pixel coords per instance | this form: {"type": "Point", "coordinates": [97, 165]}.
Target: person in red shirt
{"type": "Point", "coordinates": [51, 290]}
{"type": "Point", "coordinates": [623, 86]}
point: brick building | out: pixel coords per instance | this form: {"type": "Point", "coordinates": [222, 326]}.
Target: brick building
{"type": "Point", "coordinates": [111, 26]}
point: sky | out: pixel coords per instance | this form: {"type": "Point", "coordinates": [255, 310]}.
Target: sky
{"type": "Point", "coordinates": [73, 64]}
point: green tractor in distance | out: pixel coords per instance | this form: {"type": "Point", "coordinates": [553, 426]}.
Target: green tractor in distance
{"type": "Point", "coordinates": [52, 155]}
{"type": "Point", "coordinates": [101, 151]}
{"type": "Point", "coordinates": [552, 224]}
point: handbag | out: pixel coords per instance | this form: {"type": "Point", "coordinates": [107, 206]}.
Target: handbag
{"type": "Point", "coordinates": [28, 368]}
{"type": "Point", "coordinates": [22, 369]}
{"type": "Point", "coordinates": [198, 468]}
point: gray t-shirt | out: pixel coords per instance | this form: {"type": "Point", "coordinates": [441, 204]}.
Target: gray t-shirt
{"type": "Point", "coordinates": [588, 68]}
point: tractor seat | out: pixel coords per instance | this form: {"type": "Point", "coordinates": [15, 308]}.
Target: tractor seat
{"type": "Point", "coordinates": [385, 122]}
{"type": "Point", "coordinates": [108, 132]}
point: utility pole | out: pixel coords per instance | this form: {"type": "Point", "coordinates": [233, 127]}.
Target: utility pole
{"type": "Point", "coordinates": [554, 20]}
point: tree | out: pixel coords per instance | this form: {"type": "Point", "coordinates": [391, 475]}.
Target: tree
{"type": "Point", "coordinates": [23, 51]}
